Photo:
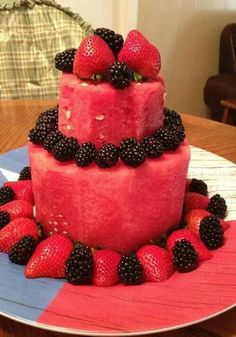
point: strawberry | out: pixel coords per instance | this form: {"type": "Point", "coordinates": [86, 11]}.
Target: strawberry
{"type": "Point", "coordinates": [15, 231]}
{"type": "Point", "coordinates": [140, 55]}
{"type": "Point", "coordinates": [49, 258]}
{"type": "Point", "coordinates": [194, 239]}
{"type": "Point", "coordinates": [194, 217]}
{"type": "Point", "coordinates": [23, 190]}
{"type": "Point", "coordinates": [156, 262]}
{"type": "Point", "coordinates": [92, 57]}
{"type": "Point", "coordinates": [105, 268]}
{"type": "Point", "coordinates": [18, 209]}
{"type": "Point", "coordinates": [195, 200]}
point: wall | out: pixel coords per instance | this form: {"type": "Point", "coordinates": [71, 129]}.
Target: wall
{"type": "Point", "coordinates": [187, 34]}
{"type": "Point", "coordinates": [120, 15]}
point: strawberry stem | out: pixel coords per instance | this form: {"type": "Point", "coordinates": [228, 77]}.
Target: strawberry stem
{"type": "Point", "coordinates": [137, 77]}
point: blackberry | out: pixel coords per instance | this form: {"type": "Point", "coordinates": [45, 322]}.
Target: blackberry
{"type": "Point", "coordinates": [179, 131]}
{"type": "Point", "coordinates": [133, 154]}
{"type": "Point", "coordinates": [115, 41]}
{"type": "Point", "coordinates": [211, 232]}
{"type": "Point", "coordinates": [172, 117]}
{"type": "Point", "coordinates": [198, 186]}
{"type": "Point", "coordinates": [37, 136]}
{"type": "Point", "coordinates": [52, 139]}
{"type": "Point", "coordinates": [79, 265]}
{"type": "Point", "coordinates": [22, 251]}
{"type": "Point", "coordinates": [217, 206]}
{"type": "Point", "coordinates": [25, 173]}
{"type": "Point", "coordinates": [168, 138]}
{"type": "Point", "coordinates": [4, 218]}
{"type": "Point", "coordinates": [185, 257]}
{"type": "Point", "coordinates": [152, 147]}
{"type": "Point", "coordinates": [107, 156]}
{"type": "Point", "coordinates": [64, 60]}
{"type": "Point", "coordinates": [130, 270]}
{"type": "Point", "coordinates": [127, 142]}
{"type": "Point", "coordinates": [85, 155]}
{"type": "Point", "coordinates": [48, 117]}
{"type": "Point", "coordinates": [65, 149]}
{"type": "Point", "coordinates": [6, 194]}
{"type": "Point", "coordinates": [119, 75]}
{"type": "Point", "coordinates": [47, 128]}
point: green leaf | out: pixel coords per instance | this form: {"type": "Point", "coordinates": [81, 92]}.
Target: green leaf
{"type": "Point", "coordinates": [137, 77]}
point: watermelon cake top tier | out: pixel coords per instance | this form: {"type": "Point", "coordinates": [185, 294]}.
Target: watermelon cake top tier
{"type": "Point", "coordinates": [101, 114]}
{"type": "Point", "coordinates": [110, 89]}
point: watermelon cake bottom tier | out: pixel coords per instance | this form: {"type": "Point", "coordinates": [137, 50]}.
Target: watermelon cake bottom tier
{"type": "Point", "coordinates": [119, 208]}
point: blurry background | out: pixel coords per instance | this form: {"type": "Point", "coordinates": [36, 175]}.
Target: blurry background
{"type": "Point", "coordinates": [186, 32]}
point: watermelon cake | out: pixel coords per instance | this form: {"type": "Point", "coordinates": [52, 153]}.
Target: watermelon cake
{"type": "Point", "coordinates": [108, 176]}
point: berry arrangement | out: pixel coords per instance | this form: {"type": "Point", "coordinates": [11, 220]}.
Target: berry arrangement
{"type": "Point", "coordinates": [182, 249]}
{"type": "Point", "coordinates": [131, 151]}
{"type": "Point", "coordinates": [106, 56]}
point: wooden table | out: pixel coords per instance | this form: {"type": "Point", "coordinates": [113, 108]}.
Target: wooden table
{"type": "Point", "coordinates": [17, 117]}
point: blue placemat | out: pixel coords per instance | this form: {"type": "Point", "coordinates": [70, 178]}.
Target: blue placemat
{"type": "Point", "coordinates": [13, 161]}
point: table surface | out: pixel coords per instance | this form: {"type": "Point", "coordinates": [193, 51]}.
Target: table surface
{"type": "Point", "coordinates": [17, 117]}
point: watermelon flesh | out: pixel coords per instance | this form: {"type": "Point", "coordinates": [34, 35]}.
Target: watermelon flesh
{"type": "Point", "coordinates": [120, 208]}
{"type": "Point", "coordinates": [101, 114]}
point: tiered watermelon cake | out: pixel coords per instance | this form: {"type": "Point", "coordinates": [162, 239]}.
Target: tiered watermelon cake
{"type": "Point", "coordinates": [120, 207]}
{"type": "Point", "coordinates": [109, 176]}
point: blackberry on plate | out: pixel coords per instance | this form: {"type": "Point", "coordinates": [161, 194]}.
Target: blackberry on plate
{"type": "Point", "coordinates": [85, 155]}
{"type": "Point", "coordinates": [217, 206]}
{"type": "Point", "coordinates": [107, 156]}
{"type": "Point", "coordinates": [4, 218]}
{"type": "Point", "coordinates": [52, 139]}
{"type": "Point", "coordinates": [211, 232]}
{"type": "Point", "coordinates": [168, 138]}
{"type": "Point", "coordinates": [198, 186]}
{"type": "Point", "coordinates": [79, 265]}
{"type": "Point", "coordinates": [120, 75]}
{"type": "Point", "coordinates": [152, 147]}
{"type": "Point", "coordinates": [65, 149]}
{"type": "Point", "coordinates": [133, 154]}
{"type": "Point", "coordinates": [130, 269]}
{"type": "Point", "coordinates": [22, 251]}
{"type": "Point", "coordinates": [115, 41]}
{"type": "Point", "coordinates": [6, 194]}
{"type": "Point", "coordinates": [37, 136]}
{"type": "Point", "coordinates": [185, 257]}
{"type": "Point", "coordinates": [64, 60]}
{"type": "Point", "coordinates": [25, 173]}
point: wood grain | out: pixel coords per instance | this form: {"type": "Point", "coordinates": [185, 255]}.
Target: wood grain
{"type": "Point", "coordinates": [17, 117]}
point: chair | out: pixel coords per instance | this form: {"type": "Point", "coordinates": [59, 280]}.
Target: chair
{"type": "Point", "coordinates": [223, 86]}
{"type": "Point", "coordinates": [32, 32]}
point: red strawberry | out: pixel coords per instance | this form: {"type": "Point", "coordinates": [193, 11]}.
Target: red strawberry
{"type": "Point", "coordinates": [195, 200]}
{"type": "Point", "coordinates": [186, 234]}
{"type": "Point", "coordinates": [140, 55]}
{"type": "Point", "coordinates": [18, 209]}
{"type": "Point", "coordinates": [194, 217]}
{"type": "Point", "coordinates": [49, 257]}
{"type": "Point", "coordinates": [23, 190]}
{"type": "Point", "coordinates": [156, 262]}
{"type": "Point", "coordinates": [92, 57]}
{"type": "Point", "coordinates": [15, 230]}
{"type": "Point", "coordinates": [105, 268]}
